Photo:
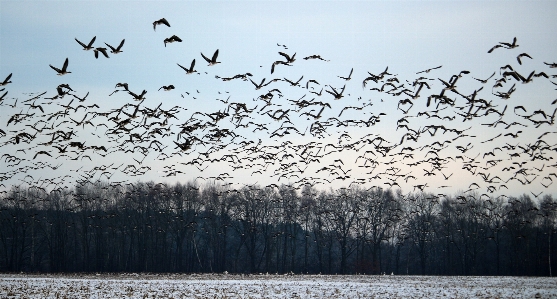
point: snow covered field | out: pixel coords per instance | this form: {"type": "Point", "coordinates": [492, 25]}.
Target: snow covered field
{"type": "Point", "coordinates": [272, 286]}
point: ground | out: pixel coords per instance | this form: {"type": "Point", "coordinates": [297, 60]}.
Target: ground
{"type": "Point", "coordinates": [272, 286]}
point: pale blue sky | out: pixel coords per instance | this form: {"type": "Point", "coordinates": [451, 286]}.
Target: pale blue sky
{"type": "Point", "coordinates": [406, 36]}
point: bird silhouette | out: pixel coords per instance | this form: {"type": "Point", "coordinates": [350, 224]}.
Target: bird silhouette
{"type": "Point", "coordinates": [89, 46]}
{"type": "Point", "coordinates": [213, 60]}
{"type": "Point", "coordinates": [62, 71]}
{"type": "Point", "coordinates": [162, 21]}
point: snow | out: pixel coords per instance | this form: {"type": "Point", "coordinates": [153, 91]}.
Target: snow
{"type": "Point", "coordinates": [272, 286]}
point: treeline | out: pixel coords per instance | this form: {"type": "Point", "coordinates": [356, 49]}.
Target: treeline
{"type": "Point", "coordinates": [148, 227]}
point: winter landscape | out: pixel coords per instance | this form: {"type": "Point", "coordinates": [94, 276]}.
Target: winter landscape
{"type": "Point", "coordinates": [273, 286]}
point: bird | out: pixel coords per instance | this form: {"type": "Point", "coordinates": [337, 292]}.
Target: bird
{"type": "Point", "coordinates": [292, 83]}
{"type": "Point", "coordinates": [429, 70]}
{"type": "Point", "coordinates": [289, 59]}
{"type": "Point", "coordinates": [349, 75]}
{"type": "Point", "coordinates": [102, 50]}
{"type": "Point", "coordinates": [277, 63]}
{"type": "Point", "coordinates": [522, 55]}
{"type": "Point", "coordinates": [5, 82]}
{"type": "Point", "coordinates": [510, 46]}
{"type": "Point", "coordinates": [190, 70]}
{"type": "Point", "coordinates": [62, 71]}
{"type": "Point", "coordinates": [167, 88]}
{"type": "Point", "coordinates": [484, 81]}
{"type": "Point", "coordinates": [213, 60]}
{"type": "Point", "coordinates": [505, 45]}
{"type": "Point", "coordinates": [41, 152]}
{"type": "Point", "coordinates": [172, 39]}
{"type": "Point", "coordinates": [138, 97]}
{"type": "Point", "coordinates": [315, 57]}
{"type": "Point", "coordinates": [162, 21]}
{"type": "Point", "coordinates": [258, 86]}
{"type": "Point", "coordinates": [335, 93]}
{"type": "Point", "coordinates": [117, 49]}
{"type": "Point", "coordinates": [89, 46]}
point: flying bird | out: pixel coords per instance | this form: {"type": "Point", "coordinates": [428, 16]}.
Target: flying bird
{"type": "Point", "coordinates": [522, 55]}
{"type": "Point", "coordinates": [62, 71]}
{"type": "Point", "coordinates": [162, 21]}
{"type": "Point", "coordinates": [117, 49]}
{"type": "Point", "coordinates": [190, 70]}
{"type": "Point", "coordinates": [167, 88]}
{"type": "Point", "coordinates": [102, 50]}
{"type": "Point", "coordinates": [429, 70]}
{"type": "Point", "coordinates": [213, 60]}
{"type": "Point", "coordinates": [89, 46]}
{"type": "Point", "coordinates": [504, 45]}
{"type": "Point", "coordinates": [335, 93]}
{"type": "Point", "coordinates": [349, 75]}
{"type": "Point", "coordinates": [172, 39]}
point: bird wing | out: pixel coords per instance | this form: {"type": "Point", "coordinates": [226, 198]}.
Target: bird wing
{"type": "Point", "coordinates": [8, 78]}
{"type": "Point", "coordinates": [121, 44]}
{"type": "Point", "coordinates": [82, 44]}
{"type": "Point", "coordinates": [206, 59]}
{"type": "Point", "coordinates": [65, 66]}
{"type": "Point", "coordinates": [192, 65]}
{"type": "Point", "coordinates": [185, 69]}
{"type": "Point", "coordinates": [55, 68]}
{"type": "Point", "coordinates": [111, 47]}
{"type": "Point", "coordinates": [92, 41]}
{"type": "Point", "coordinates": [215, 56]}
{"type": "Point", "coordinates": [285, 55]}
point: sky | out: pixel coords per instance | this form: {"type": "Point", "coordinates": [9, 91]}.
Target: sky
{"type": "Point", "coordinates": [366, 36]}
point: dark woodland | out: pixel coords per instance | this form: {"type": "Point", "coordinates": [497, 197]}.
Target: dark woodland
{"type": "Point", "coordinates": [186, 228]}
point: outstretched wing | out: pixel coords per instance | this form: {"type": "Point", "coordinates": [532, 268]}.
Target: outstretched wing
{"type": "Point", "coordinates": [206, 59]}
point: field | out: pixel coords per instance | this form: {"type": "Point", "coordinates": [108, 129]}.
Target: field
{"type": "Point", "coordinates": [272, 286]}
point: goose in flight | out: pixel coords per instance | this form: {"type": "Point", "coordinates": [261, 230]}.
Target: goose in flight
{"type": "Point", "coordinates": [124, 85]}
{"type": "Point", "coordinates": [315, 57]}
{"type": "Point", "coordinates": [510, 46]}
{"type": "Point", "coordinates": [349, 75]}
{"type": "Point", "coordinates": [276, 63]}
{"type": "Point", "coordinates": [162, 21]}
{"type": "Point", "coordinates": [288, 61]}
{"type": "Point", "coordinates": [429, 70]}
{"type": "Point", "coordinates": [294, 83]}
{"type": "Point", "coordinates": [288, 58]}
{"type": "Point", "coordinates": [167, 88]}
{"type": "Point", "coordinates": [258, 86]}
{"type": "Point", "coordinates": [213, 60]}
{"type": "Point", "coordinates": [172, 39]}
{"type": "Point", "coordinates": [335, 93]}
{"type": "Point", "coordinates": [117, 49]}
{"type": "Point", "coordinates": [485, 80]}
{"type": "Point", "coordinates": [5, 82]}
{"type": "Point", "coordinates": [62, 71]}
{"type": "Point", "coordinates": [522, 55]}
{"type": "Point", "coordinates": [102, 50]}
{"type": "Point", "coordinates": [89, 46]}
{"type": "Point", "coordinates": [138, 97]}
{"type": "Point", "coordinates": [505, 45]}
{"type": "Point", "coordinates": [190, 70]}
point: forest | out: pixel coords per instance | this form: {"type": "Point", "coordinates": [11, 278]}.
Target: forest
{"type": "Point", "coordinates": [213, 228]}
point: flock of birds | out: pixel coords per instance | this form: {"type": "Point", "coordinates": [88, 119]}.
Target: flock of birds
{"type": "Point", "coordinates": [247, 140]}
